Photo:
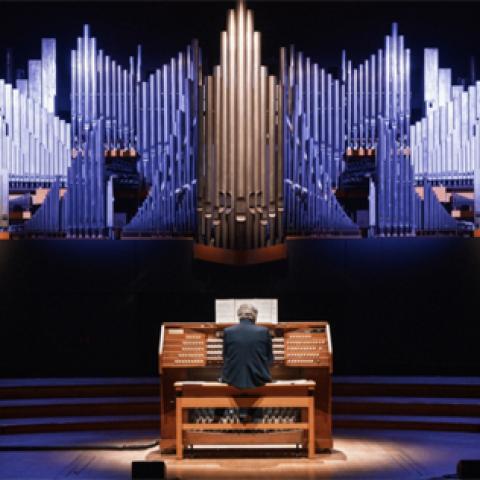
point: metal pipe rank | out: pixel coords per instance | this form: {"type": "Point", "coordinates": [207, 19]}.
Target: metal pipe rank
{"type": "Point", "coordinates": [47, 219]}
{"type": "Point", "coordinates": [443, 141]}
{"type": "Point", "coordinates": [313, 145]}
{"type": "Point", "coordinates": [35, 144]}
{"type": "Point", "coordinates": [394, 186]}
{"type": "Point", "coordinates": [169, 109]}
{"type": "Point", "coordinates": [380, 86]}
{"type": "Point", "coordinates": [102, 87]}
{"type": "Point", "coordinates": [84, 203]}
{"type": "Point", "coordinates": [434, 216]}
{"type": "Point", "coordinates": [240, 194]}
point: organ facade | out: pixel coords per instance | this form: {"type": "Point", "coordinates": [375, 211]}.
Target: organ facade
{"type": "Point", "coordinates": [238, 158]}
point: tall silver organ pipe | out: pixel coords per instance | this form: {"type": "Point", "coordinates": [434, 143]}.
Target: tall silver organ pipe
{"type": "Point", "coordinates": [49, 74]}
{"type": "Point", "coordinates": [430, 79]}
{"type": "Point", "coordinates": [35, 80]}
{"type": "Point", "coordinates": [240, 195]}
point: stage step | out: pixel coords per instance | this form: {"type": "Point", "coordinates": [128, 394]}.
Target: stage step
{"type": "Point", "coordinates": [108, 439]}
{"type": "Point", "coordinates": [93, 406]}
{"type": "Point", "coordinates": [79, 387]}
{"type": "Point", "coordinates": [450, 387]}
{"type": "Point", "coordinates": [62, 424]}
{"type": "Point", "coordinates": [404, 422]}
{"type": "Point", "coordinates": [56, 405]}
{"type": "Point", "coordinates": [431, 406]}
{"type": "Point", "coordinates": [407, 403]}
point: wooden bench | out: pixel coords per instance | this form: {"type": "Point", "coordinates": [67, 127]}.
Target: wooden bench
{"type": "Point", "coordinates": [287, 394]}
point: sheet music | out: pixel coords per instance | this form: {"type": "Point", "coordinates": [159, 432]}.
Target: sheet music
{"type": "Point", "coordinates": [226, 309]}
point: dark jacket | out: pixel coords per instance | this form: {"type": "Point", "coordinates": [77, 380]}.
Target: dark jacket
{"type": "Point", "coordinates": [247, 355]}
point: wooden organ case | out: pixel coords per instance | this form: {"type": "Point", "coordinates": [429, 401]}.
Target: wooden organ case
{"type": "Point", "coordinates": [193, 352]}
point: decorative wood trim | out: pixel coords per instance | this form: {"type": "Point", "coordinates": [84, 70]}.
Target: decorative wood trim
{"type": "Point", "coordinates": [240, 257]}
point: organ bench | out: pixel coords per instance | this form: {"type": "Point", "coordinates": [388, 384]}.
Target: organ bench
{"type": "Point", "coordinates": [192, 352]}
{"type": "Point", "coordinates": [194, 395]}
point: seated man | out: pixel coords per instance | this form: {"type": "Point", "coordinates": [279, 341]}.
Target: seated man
{"type": "Point", "coordinates": [247, 351]}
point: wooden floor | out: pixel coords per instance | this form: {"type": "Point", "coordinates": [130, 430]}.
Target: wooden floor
{"type": "Point", "coordinates": [358, 454]}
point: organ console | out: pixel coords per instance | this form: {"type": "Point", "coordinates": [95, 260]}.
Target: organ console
{"type": "Point", "coordinates": [193, 352]}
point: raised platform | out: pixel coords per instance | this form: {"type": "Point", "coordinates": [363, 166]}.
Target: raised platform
{"type": "Point", "coordinates": [93, 404]}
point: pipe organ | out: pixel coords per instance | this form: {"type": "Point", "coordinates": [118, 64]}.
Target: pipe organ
{"type": "Point", "coordinates": [240, 158]}
{"type": "Point", "coordinates": [240, 191]}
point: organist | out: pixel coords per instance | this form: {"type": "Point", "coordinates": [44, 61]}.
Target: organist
{"type": "Point", "coordinates": [247, 351]}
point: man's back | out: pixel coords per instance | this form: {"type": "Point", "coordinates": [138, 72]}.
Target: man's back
{"type": "Point", "coordinates": [247, 355]}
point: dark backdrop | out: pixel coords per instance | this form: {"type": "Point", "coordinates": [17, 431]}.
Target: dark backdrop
{"type": "Point", "coordinates": [396, 306]}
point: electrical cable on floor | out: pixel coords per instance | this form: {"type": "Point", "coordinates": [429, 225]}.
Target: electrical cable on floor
{"type": "Point", "coordinates": [140, 446]}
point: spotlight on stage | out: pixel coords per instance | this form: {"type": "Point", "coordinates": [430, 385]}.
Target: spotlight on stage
{"type": "Point", "coordinates": [148, 470]}
{"type": "Point", "coordinates": [468, 469]}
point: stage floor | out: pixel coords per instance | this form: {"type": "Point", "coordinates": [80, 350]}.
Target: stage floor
{"type": "Point", "coordinates": [362, 454]}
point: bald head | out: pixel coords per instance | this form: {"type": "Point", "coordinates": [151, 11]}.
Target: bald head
{"type": "Point", "coordinates": [247, 311]}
